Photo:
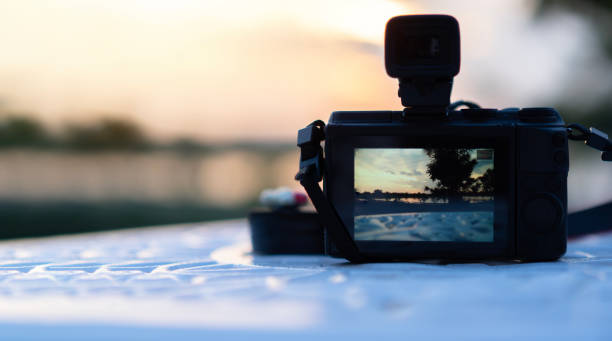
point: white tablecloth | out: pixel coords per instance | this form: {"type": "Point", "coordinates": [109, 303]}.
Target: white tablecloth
{"type": "Point", "coordinates": [195, 281]}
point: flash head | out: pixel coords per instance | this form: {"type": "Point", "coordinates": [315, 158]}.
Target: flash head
{"type": "Point", "coordinates": [422, 46]}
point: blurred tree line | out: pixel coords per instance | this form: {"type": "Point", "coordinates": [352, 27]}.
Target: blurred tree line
{"type": "Point", "coordinates": [110, 133]}
{"type": "Point", "coordinates": [598, 14]}
{"type": "Point", "coordinates": [106, 133]}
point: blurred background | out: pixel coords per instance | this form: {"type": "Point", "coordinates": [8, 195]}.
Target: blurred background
{"type": "Point", "coordinates": [126, 113]}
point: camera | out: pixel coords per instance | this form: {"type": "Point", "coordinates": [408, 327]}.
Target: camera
{"type": "Point", "coordinates": [434, 180]}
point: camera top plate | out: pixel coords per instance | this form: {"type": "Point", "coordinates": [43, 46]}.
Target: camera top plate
{"type": "Point", "coordinates": [464, 117]}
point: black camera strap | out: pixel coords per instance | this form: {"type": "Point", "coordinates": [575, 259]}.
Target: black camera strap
{"type": "Point", "coordinates": [309, 175]}
{"type": "Point", "coordinates": [593, 138]}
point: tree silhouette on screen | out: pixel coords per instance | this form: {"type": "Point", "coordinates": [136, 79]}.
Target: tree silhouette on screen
{"type": "Point", "coordinates": [484, 184]}
{"type": "Point", "coordinates": [451, 171]}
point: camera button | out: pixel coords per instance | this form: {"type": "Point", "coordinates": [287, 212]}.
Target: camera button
{"type": "Point", "coordinates": [558, 140]}
{"type": "Point", "coordinates": [542, 212]}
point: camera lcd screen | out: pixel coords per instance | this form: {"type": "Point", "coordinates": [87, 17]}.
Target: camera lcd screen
{"type": "Point", "coordinates": [424, 194]}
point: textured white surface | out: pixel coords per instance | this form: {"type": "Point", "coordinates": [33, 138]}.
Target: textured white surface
{"type": "Point", "coordinates": [194, 281]}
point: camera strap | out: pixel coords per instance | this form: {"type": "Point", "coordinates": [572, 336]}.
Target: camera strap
{"type": "Point", "coordinates": [593, 138]}
{"type": "Point", "coordinates": [309, 176]}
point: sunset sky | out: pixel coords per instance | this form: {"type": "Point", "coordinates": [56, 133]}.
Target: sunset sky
{"type": "Point", "coordinates": [238, 70]}
{"type": "Point", "coordinates": [399, 170]}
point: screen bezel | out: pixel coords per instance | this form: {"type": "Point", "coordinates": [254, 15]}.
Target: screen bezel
{"type": "Point", "coordinates": [340, 189]}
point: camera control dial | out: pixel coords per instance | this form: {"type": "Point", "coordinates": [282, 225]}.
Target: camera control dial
{"type": "Point", "coordinates": [542, 212]}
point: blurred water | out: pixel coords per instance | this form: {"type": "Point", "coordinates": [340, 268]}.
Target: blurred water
{"type": "Point", "coordinates": [222, 178]}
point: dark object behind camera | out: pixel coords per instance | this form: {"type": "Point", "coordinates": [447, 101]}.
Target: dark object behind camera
{"type": "Point", "coordinates": [285, 231]}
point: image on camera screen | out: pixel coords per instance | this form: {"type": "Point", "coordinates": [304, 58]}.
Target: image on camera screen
{"type": "Point", "coordinates": [424, 194]}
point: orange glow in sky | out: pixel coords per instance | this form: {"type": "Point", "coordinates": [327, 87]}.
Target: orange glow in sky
{"type": "Point", "coordinates": [227, 70]}
{"type": "Point", "coordinates": [208, 69]}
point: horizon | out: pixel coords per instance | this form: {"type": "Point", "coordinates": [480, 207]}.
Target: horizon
{"type": "Point", "coordinates": [400, 170]}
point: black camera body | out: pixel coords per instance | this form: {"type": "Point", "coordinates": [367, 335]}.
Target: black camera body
{"type": "Point", "coordinates": [432, 181]}
{"type": "Point", "coordinates": [530, 164]}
